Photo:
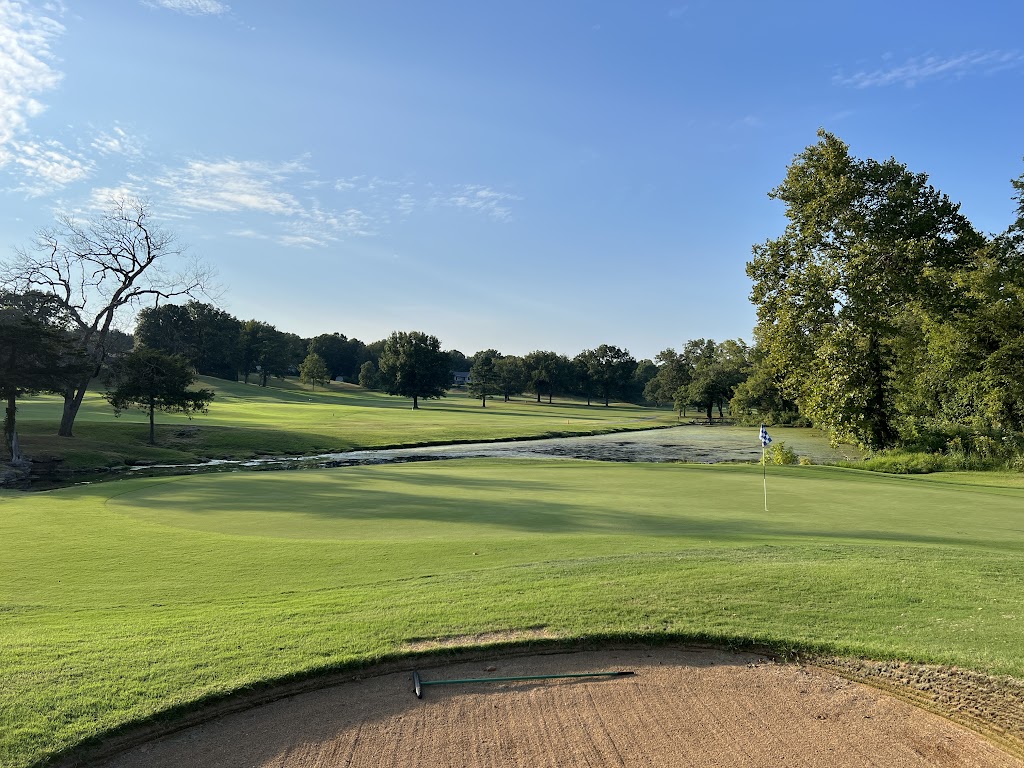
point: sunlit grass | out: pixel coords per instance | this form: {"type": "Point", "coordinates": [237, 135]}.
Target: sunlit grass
{"type": "Point", "coordinates": [245, 420]}
{"type": "Point", "coordinates": [120, 601]}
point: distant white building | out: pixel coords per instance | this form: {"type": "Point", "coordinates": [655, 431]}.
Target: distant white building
{"type": "Point", "coordinates": [460, 378]}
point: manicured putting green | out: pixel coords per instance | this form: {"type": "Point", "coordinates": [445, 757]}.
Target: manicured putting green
{"type": "Point", "coordinates": [721, 505]}
{"type": "Point", "coordinates": [120, 601]}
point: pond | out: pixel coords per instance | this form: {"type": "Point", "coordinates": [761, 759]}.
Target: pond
{"type": "Point", "coordinates": [687, 443]}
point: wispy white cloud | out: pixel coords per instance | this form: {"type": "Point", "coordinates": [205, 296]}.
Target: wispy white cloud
{"type": "Point", "coordinates": [479, 198]}
{"type": "Point", "coordinates": [46, 166]}
{"type": "Point", "coordinates": [100, 198]}
{"type": "Point", "coordinates": [316, 227]}
{"type": "Point", "coordinates": [406, 204]}
{"type": "Point", "coordinates": [26, 69]}
{"type": "Point", "coordinates": [288, 203]}
{"type": "Point", "coordinates": [117, 142]}
{"type": "Point", "coordinates": [256, 187]}
{"type": "Point", "coordinates": [252, 234]}
{"type": "Point", "coordinates": [403, 197]}
{"type": "Point", "coordinates": [191, 7]}
{"type": "Point", "coordinates": [919, 69]}
{"type": "Point", "coordinates": [232, 185]}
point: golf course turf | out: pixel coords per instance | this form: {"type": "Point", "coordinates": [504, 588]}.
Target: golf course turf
{"type": "Point", "coordinates": [247, 420]}
{"type": "Point", "coordinates": [121, 601]}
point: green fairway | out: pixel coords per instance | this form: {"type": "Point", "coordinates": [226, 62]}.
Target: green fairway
{"type": "Point", "coordinates": [246, 420]}
{"type": "Point", "coordinates": [122, 600]}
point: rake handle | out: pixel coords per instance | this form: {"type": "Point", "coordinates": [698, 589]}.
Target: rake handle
{"type": "Point", "coordinates": [418, 682]}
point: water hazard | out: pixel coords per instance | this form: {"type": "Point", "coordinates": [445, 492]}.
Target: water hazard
{"type": "Point", "coordinates": [688, 443]}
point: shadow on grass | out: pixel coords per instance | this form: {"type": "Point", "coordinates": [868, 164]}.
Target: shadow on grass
{"type": "Point", "coordinates": [280, 506]}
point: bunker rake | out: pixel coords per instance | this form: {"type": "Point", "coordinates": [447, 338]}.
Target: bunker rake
{"type": "Point", "coordinates": [418, 683]}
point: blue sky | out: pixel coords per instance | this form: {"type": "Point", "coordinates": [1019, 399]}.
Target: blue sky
{"type": "Point", "coordinates": [527, 175]}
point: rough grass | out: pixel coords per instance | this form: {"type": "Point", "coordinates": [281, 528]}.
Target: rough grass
{"type": "Point", "coordinates": [121, 601]}
{"type": "Point", "coordinates": [246, 420]}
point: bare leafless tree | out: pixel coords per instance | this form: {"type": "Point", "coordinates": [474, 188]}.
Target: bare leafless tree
{"type": "Point", "coordinates": [103, 269]}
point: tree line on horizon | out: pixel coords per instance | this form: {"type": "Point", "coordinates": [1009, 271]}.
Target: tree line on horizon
{"type": "Point", "coordinates": [703, 375]}
{"type": "Point", "coordinates": [884, 318]}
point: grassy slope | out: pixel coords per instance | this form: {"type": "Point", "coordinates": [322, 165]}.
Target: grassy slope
{"type": "Point", "coordinates": [118, 601]}
{"type": "Point", "coordinates": [246, 420]}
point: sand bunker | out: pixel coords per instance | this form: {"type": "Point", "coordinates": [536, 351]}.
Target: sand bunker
{"type": "Point", "coordinates": [690, 708]}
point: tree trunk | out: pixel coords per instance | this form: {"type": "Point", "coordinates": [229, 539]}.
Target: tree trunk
{"type": "Point", "coordinates": [720, 410]}
{"type": "Point", "coordinates": [483, 401]}
{"type": "Point", "coordinates": [10, 433]}
{"type": "Point", "coordinates": [549, 397]}
{"type": "Point", "coordinates": [882, 434]}
{"type": "Point", "coordinates": [72, 402]}
{"type": "Point", "coordinates": [415, 403]}
{"type": "Point", "coordinates": [152, 424]}
{"type": "Point", "coordinates": [710, 406]}
{"type": "Point", "coordinates": [538, 394]}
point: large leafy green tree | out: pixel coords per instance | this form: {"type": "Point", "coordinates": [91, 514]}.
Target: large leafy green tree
{"type": "Point", "coordinates": [313, 370]}
{"type": "Point", "coordinates": [970, 371]}
{"type": "Point", "coordinates": [483, 378]}
{"type": "Point", "coordinates": [762, 395]}
{"type": "Point", "coordinates": [168, 328]}
{"type": "Point", "coordinates": [369, 378]}
{"type": "Point", "coordinates": [266, 350]}
{"type": "Point", "coordinates": [342, 355]}
{"type": "Point", "coordinates": [611, 369]}
{"type": "Point", "coordinates": [546, 372]}
{"type": "Point", "coordinates": [207, 336]}
{"type": "Point", "coordinates": [216, 337]}
{"type": "Point", "coordinates": [644, 372]}
{"type": "Point", "coordinates": [675, 371]}
{"type": "Point", "coordinates": [867, 243]}
{"type": "Point", "coordinates": [582, 369]}
{"type": "Point", "coordinates": [510, 374]}
{"type": "Point", "coordinates": [413, 365]}
{"type": "Point", "coordinates": [154, 381]}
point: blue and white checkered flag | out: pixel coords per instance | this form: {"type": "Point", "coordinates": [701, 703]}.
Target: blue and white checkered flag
{"type": "Point", "coordinates": [765, 437]}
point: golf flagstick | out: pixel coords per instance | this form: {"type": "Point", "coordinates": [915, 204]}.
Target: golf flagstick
{"type": "Point", "coordinates": [765, 439]}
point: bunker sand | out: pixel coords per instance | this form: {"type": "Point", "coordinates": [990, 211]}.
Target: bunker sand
{"type": "Point", "coordinates": [691, 708]}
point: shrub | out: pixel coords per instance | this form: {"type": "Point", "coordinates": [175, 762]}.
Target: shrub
{"type": "Point", "coordinates": [778, 453]}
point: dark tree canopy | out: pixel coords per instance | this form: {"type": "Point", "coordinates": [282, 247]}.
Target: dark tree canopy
{"type": "Point", "coordinates": [369, 377]}
{"type": "Point", "coordinates": [342, 355]}
{"type": "Point", "coordinates": [611, 370]}
{"type": "Point", "coordinates": [483, 377]}
{"type": "Point", "coordinates": [154, 381]}
{"type": "Point", "coordinates": [510, 375]}
{"type": "Point", "coordinates": [266, 351]}
{"type": "Point", "coordinates": [207, 336]}
{"type": "Point", "coordinates": [547, 372]}
{"type": "Point", "coordinates": [412, 364]}
{"type": "Point", "coordinates": [675, 371]}
{"type": "Point", "coordinates": [38, 353]}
